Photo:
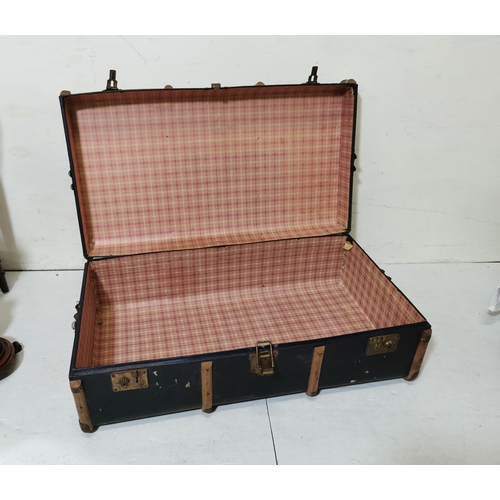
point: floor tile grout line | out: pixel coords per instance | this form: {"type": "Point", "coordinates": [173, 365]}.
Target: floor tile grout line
{"type": "Point", "coordinates": [450, 262]}
{"type": "Point", "coordinates": [272, 435]}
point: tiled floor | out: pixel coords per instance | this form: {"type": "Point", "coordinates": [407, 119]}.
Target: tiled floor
{"type": "Point", "coordinates": [450, 414]}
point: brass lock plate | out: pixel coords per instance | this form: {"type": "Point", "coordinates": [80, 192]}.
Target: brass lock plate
{"type": "Point", "coordinates": [382, 345]}
{"type": "Point", "coordinates": [262, 361]}
{"type": "Point", "coordinates": [129, 380]}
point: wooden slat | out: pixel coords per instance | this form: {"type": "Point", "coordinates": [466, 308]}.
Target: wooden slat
{"type": "Point", "coordinates": [317, 361]}
{"type": "Point", "coordinates": [206, 387]}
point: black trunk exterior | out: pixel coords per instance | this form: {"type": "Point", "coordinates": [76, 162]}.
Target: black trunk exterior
{"type": "Point", "coordinates": [175, 384]}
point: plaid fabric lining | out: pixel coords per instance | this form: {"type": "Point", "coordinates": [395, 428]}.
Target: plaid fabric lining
{"type": "Point", "coordinates": [87, 326]}
{"type": "Point", "coordinates": [381, 300]}
{"type": "Point", "coordinates": [166, 170]}
{"type": "Point", "coordinates": [192, 302]}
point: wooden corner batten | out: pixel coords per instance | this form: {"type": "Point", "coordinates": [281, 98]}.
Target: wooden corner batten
{"type": "Point", "coordinates": [419, 355]}
{"type": "Point", "coordinates": [81, 406]}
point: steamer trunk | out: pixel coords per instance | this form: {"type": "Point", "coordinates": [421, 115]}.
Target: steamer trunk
{"type": "Point", "coordinates": [215, 223]}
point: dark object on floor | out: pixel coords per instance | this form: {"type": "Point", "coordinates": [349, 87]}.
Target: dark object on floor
{"type": "Point", "coordinates": [7, 352]}
{"type": "Point", "coordinates": [3, 282]}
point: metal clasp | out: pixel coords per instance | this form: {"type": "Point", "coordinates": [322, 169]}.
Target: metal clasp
{"type": "Point", "coordinates": [262, 362]}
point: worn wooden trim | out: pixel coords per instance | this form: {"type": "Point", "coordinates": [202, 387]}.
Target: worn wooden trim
{"type": "Point", "coordinates": [419, 355]}
{"type": "Point", "coordinates": [82, 407]}
{"type": "Point", "coordinates": [206, 387]}
{"type": "Point", "coordinates": [317, 361]}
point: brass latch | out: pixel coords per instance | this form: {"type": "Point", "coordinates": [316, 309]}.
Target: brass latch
{"type": "Point", "coordinates": [382, 344]}
{"type": "Point", "coordinates": [129, 380]}
{"type": "Point", "coordinates": [262, 362]}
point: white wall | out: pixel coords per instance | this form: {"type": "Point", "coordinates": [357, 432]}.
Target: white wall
{"type": "Point", "coordinates": [428, 131]}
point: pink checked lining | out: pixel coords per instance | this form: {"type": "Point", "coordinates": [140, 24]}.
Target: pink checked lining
{"type": "Point", "coordinates": [190, 302]}
{"type": "Point", "coordinates": [168, 170]}
{"type": "Point", "coordinates": [166, 177]}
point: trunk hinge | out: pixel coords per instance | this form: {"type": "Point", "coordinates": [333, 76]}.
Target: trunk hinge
{"type": "Point", "coordinates": [313, 77]}
{"type": "Point", "coordinates": [112, 83]}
